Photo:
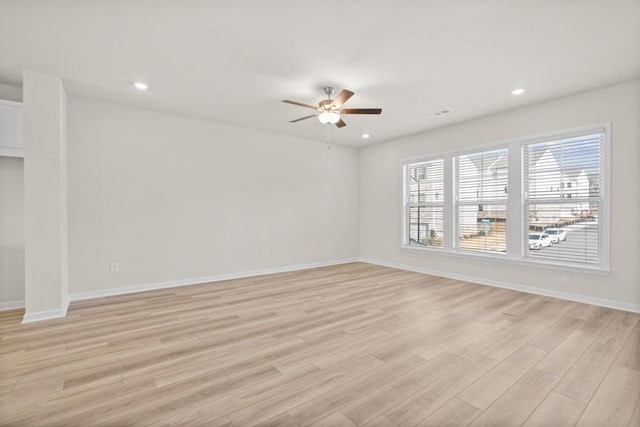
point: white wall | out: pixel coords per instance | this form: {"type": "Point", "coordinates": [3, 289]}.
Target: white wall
{"type": "Point", "coordinates": [45, 190]}
{"type": "Point", "coordinates": [381, 189]}
{"type": "Point", "coordinates": [10, 92]}
{"type": "Point", "coordinates": [173, 198]}
{"type": "Point", "coordinates": [11, 232]}
{"type": "Point", "coordinates": [11, 220]}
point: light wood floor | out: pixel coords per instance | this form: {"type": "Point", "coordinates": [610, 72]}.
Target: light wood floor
{"type": "Point", "coordinates": [348, 345]}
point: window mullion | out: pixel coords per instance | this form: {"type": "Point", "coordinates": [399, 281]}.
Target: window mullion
{"type": "Point", "coordinates": [514, 214]}
{"type": "Point", "coordinates": [449, 229]}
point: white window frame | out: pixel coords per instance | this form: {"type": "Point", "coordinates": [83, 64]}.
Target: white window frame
{"type": "Point", "coordinates": [605, 173]}
{"type": "Point", "coordinates": [456, 203]}
{"type": "Point", "coordinates": [406, 205]}
{"type": "Point", "coordinates": [517, 220]}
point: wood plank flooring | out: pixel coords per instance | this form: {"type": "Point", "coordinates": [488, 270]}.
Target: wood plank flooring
{"type": "Point", "coordinates": [347, 345]}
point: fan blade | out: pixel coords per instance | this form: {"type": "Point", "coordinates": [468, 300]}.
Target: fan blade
{"type": "Point", "coordinates": [300, 104]}
{"type": "Point", "coordinates": [342, 97]}
{"type": "Point", "coordinates": [340, 124]}
{"type": "Point", "coordinates": [361, 111]}
{"type": "Point", "coordinates": [303, 118]}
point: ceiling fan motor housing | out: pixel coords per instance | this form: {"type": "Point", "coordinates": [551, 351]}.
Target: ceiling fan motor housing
{"type": "Point", "coordinates": [327, 105]}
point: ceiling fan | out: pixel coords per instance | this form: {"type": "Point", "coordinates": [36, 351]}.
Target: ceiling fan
{"type": "Point", "coordinates": [329, 110]}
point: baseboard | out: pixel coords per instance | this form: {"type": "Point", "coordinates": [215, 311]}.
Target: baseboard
{"type": "Point", "coordinates": [80, 296]}
{"type": "Point", "coordinates": [603, 302]}
{"type": "Point", "coordinates": [11, 305]}
{"type": "Point", "coordinates": [46, 315]}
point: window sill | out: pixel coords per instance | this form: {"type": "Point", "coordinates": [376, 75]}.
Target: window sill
{"type": "Point", "coordinates": [503, 258]}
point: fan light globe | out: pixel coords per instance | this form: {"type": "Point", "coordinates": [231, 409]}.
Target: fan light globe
{"type": "Point", "coordinates": [329, 117]}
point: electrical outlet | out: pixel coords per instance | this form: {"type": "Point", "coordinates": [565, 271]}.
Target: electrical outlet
{"type": "Point", "coordinates": [114, 267]}
{"type": "Point", "coordinates": [566, 278]}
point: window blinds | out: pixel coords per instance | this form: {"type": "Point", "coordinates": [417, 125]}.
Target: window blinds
{"type": "Point", "coordinates": [562, 181]}
{"type": "Point", "coordinates": [481, 197]}
{"type": "Point", "coordinates": [425, 195]}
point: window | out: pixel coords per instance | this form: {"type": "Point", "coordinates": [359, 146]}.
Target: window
{"type": "Point", "coordinates": [542, 200]}
{"type": "Point", "coordinates": [424, 207]}
{"type": "Point", "coordinates": [571, 164]}
{"type": "Point", "coordinates": [481, 201]}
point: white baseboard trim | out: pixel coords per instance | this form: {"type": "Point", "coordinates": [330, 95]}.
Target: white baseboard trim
{"type": "Point", "coordinates": [80, 296]}
{"type": "Point", "coordinates": [11, 305]}
{"type": "Point", "coordinates": [618, 305]}
{"type": "Point", "coordinates": [46, 315]}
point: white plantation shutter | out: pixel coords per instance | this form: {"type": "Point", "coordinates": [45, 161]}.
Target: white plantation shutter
{"type": "Point", "coordinates": [481, 200]}
{"type": "Point", "coordinates": [424, 193]}
{"type": "Point", "coordinates": [563, 182]}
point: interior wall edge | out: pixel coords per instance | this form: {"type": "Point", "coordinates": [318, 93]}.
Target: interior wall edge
{"type": "Point", "coordinates": [47, 314]}
{"type": "Point", "coordinates": [80, 296]}
{"type": "Point", "coordinates": [10, 92]}
{"type": "Point", "coordinates": [11, 305]}
{"type": "Point", "coordinates": [608, 303]}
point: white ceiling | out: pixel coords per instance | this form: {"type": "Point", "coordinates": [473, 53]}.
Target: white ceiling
{"type": "Point", "coordinates": [233, 61]}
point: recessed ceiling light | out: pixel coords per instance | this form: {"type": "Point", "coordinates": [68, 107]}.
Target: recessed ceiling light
{"type": "Point", "coordinates": [365, 136]}
{"type": "Point", "coordinates": [141, 85]}
{"type": "Point", "coordinates": [519, 91]}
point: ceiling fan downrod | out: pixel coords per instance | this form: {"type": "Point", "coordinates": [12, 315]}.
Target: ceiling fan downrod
{"type": "Point", "coordinates": [329, 91]}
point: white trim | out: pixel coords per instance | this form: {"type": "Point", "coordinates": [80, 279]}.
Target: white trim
{"type": "Point", "coordinates": [501, 257]}
{"type": "Point", "coordinates": [516, 202]}
{"type": "Point", "coordinates": [11, 305]}
{"type": "Point", "coordinates": [80, 296]}
{"type": "Point", "coordinates": [11, 152]}
{"type": "Point", "coordinates": [423, 159]}
{"type": "Point", "coordinates": [16, 104]}
{"type": "Point", "coordinates": [404, 233]}
{"type": "Point", "coordinates": [603, 302]}
{"type": "Point", "coordinates": [46, 315]}
{"type": "Point", "coordinates": [603, 131]}
{"type": "Point", "coordinates": [605, 180]}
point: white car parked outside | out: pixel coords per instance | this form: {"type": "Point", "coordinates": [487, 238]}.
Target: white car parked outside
{"type": "Point", "coordinates": [557, 234]}
{"type": "Point", "coordinates": [539, 240]}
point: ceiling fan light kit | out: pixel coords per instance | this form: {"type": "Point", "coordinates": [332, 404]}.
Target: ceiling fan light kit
{"type": "Point", "coordinates": [329, 110]}
{"type": "Point", "coordinates": [329, 117]}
